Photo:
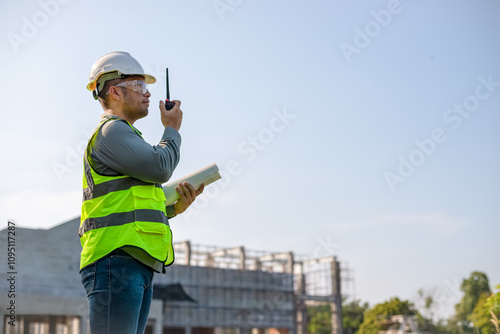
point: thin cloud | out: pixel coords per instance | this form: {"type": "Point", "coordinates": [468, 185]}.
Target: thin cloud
{"type": "Point", "coordinates": [438, 221]}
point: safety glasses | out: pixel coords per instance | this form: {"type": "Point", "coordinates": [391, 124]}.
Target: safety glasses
{"type": "Point", "coordinates": [135, 85]}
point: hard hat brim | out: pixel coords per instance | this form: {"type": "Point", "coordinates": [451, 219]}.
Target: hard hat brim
{"type": "Point", "coordinates": [149, 79]}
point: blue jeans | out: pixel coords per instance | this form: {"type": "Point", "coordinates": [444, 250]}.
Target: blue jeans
{"type": "Point", "coordinates": [119, 290]}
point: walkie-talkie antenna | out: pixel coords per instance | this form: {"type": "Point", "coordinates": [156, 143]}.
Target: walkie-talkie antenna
{"type": "Point", "coordinates": [168, 104]}
{"type": "Point", "coordinates": [168, 88]}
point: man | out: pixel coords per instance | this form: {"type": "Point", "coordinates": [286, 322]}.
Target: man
{"type": "Point", "coordinates": [124, 229]}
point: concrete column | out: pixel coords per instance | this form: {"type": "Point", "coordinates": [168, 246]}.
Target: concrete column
{"type": "Point", "coordinates": [210, 260]}
{"type": "Point", "coordinates": [26, 326]}
{"type": "Point", "coordinates": [84, 324]}
{"type": "Point", "coordinates": [301, 280]}
{"type": "Point", "coordinates": [158, 327]}
{"type": "Point", "coordinates": [337, 304]}
{"type": "Point", "coordinates": [156, 315]}
{"type": "Point", "coordinates": [300, 306]}
{"type": "Point", "coordinates": [187, 244]}
{"type": "Point", "coordinates": [242, 258]}
{"type": "Point", "coordinates": [258, 265]}
{"type": "Point", "coordinates": [290, 263]}
{"type": "Point", "coordinates": [52, 320]}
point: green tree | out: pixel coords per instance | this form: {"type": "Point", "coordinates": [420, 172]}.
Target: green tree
{"type": "Point", "coordinates": [473, 288]}
{"type": "Point", "coordinates": [486, 312]}
{"type": "Point", "coordinates": [320, 319]}
{"type": "Point", "coordinates": [380, 313]}
{"type": "Point", "coordinates": [352, 316]}
{"type": "Point", "coordinates": [493, 305]}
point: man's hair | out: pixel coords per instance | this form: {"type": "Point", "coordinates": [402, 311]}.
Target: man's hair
{"type": "Point", "coordinates": [103, 96]}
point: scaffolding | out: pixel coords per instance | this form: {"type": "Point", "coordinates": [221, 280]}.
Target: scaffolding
{"type": "Point", "coordinates": [315, 280]}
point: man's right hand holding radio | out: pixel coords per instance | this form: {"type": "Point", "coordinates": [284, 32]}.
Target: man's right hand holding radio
{"type": "Point", "coordinates": [173, 117]}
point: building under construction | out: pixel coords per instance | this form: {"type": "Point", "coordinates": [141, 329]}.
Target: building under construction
{"type": "Point", "coordinates": [209, 289]}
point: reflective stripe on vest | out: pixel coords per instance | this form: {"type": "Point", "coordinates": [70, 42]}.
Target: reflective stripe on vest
{"type": "Point", "coordinates": [121, 211]}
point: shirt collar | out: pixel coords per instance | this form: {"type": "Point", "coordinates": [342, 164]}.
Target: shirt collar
{"type": "Point", "coordinates": [107, 117]}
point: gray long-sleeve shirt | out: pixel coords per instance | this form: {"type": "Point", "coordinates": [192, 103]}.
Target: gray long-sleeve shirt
{"type": "Point", "coordinates": [119, 149]}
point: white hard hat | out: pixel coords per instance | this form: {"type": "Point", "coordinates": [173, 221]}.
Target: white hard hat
{"type": "Point", "coordinates": [115, 65]}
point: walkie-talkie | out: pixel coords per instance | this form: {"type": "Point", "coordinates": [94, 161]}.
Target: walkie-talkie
{"type": "Point", "coordinates": [168, 104]}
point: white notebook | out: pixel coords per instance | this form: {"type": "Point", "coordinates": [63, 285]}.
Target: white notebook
{"type": "Point", "coordinates": [207, 175]}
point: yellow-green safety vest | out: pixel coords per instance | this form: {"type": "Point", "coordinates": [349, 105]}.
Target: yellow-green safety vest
{"type": "Point", "coordinates": [121, 211]}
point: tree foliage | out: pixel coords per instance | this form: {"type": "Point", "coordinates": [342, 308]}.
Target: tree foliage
{"type": "Point", "coordinates": [472, 287]}
{"type": "Point", "coordinates": [353, 315]}
{"type": "Point", "coordinates": [374, 318]}
{"type": "Point", "coordinates": [319, 319]}
{"type": "Point", "coordinates": [486, 310]}
{"type": "Point", "coordinates": [477, 312]}
{"type": "Point", "coordinates": [475, 288]}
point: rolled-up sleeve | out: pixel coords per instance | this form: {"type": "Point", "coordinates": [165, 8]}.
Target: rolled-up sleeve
{"type": "Point", "coordinates": [118, 147]}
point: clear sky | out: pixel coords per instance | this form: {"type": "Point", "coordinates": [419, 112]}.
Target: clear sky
{"type": "Point", "coordinates": [365, 130]}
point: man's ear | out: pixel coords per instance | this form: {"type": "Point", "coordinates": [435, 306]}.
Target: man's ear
{"type": "Point", "coordinates": [115, 93]}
